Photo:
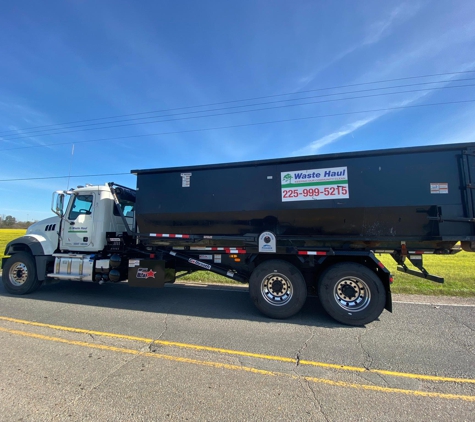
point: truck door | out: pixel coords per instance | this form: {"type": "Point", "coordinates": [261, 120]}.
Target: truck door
{"type": "Point", "coordinates": [78, 227]}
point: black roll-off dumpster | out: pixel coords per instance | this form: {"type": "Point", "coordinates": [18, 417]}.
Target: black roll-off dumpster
{"type": "Point", "coordinates": [421, 195]}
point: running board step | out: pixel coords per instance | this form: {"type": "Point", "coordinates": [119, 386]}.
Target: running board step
{"type": "Point", "coordinates": [68, 277]}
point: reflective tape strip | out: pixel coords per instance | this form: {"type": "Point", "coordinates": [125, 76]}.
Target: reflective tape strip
{"type": "Point", "coordinates": [236, 251]}
{"type": "Point", "coordinates": [312, 253]}
{"type": "Point", "coordinates": [178, 236]}
{"type": "Point", "coordinates": [221, 249]}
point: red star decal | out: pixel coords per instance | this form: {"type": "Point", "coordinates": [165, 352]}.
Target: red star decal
{"type": "Point", "coordinates": [150, 274]}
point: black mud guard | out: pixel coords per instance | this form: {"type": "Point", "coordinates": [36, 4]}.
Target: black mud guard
{"type": "Point", "coordinates": [386, 278]}
{"type": "Point", "coordinates": [149, 273]}
{"type": "Point", "coordinates": [30, 242]}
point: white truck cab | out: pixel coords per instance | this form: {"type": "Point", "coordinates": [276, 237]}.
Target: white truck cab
{"type": "Point", "coordinates": [89, 215]}
{"type": "Point", "coordinates": [68, 246]}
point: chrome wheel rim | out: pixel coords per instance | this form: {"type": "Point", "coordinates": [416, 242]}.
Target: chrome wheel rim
{"type": "Point", "coordinates": [276, 289]}
{"type": "Point", "coordinates": [18, 274]}
{"type": "Point", "coordinates": [352, 294]}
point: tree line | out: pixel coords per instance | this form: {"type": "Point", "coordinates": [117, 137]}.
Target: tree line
{"type": "Point", "coordinates": [10, 222]}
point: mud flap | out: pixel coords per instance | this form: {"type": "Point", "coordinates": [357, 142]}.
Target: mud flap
{"type": "Point", "coordinates": [149, 273]}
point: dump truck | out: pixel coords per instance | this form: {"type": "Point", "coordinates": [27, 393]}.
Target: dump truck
{"type": "Point", "coordinates": [288, 227]}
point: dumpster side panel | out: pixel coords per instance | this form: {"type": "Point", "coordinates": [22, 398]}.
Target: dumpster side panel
{"type": "Point", "coordinates": [388, 195]}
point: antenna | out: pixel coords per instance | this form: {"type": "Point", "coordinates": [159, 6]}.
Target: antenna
{"type": "Point", "coordinates": [70, 165]}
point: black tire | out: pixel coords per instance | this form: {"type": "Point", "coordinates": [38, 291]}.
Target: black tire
{"type": "Point", "coordinates": [19, 274]}
{"type": "Point", "coordinates": [351, 293]}
{"type": "Point", "coordinates": [277, 288]}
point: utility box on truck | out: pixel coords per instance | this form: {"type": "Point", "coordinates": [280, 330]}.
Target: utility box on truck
{"type": "Point", "coordinates": [286, 226]}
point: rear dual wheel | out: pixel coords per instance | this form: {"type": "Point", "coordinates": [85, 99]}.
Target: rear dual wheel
{"type": "Point", "coordinates": [277, 288]}
{"type": "Point", "coordinates": [351, 293]}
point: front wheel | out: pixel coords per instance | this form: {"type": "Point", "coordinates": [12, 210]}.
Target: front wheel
{"type": "Point", "coordinates": [277, 288]}
{"type": "Point", "coordinates": [351, 293]}
{"type": "Point", "coordinates": [19, 274]}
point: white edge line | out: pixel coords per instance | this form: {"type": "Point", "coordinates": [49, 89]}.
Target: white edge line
{"type": "Point", "coordinates": [434, 304]}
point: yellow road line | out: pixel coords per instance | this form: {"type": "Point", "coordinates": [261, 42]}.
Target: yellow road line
{"type": "Point", "coordinates": [242, 368]}
{"type": "Point", "coordinates": [242, 353]}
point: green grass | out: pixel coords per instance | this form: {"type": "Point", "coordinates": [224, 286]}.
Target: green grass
{"type": "Point", "coordinates": [6, 235]}
{"type": "Point", "coordinates": [458, 271]}
{"type": "Point", "coordinates": [207, 277]}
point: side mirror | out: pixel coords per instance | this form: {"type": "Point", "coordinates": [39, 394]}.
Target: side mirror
{"type": "Point", "coordinates": [58, 203]}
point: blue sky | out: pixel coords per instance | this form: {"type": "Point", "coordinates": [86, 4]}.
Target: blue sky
{"type": "Point", "coordinates": [67, 61]}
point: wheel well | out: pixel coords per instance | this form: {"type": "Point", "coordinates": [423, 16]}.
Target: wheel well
{"type": "Point", "coordinates": [25, 244]}
{"type": "Point", "coordinates": [260, 258]}
{"type": "Point", "coordinates": [363, 260]}
{"type": "Point", "coordinates": [17, 247]}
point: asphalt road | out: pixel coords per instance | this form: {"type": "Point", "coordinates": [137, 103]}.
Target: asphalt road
{"type": "Point", "coordinates": [81, 352]}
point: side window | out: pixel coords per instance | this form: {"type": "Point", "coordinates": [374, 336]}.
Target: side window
{"type": "Point", "coordinates": [82, 205]}
{"type": "Point", "coordinates": [127, 209]}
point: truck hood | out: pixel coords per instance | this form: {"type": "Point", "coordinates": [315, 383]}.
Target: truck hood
{"type": "Point", "coordinates": [40, 227]}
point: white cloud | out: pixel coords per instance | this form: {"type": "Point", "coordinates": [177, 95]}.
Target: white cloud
{"type": "Point", "coordinates": [374, 34]}
{"type": "Point", "coordinates": [313, 147]}
{"type": "Point", "coordinates": [13, 110]}
{"type": "Point", "coordinates": [459, 129]}
{"type": "Point", "coordinates": [404, 64]}
{"type": "Point", "coordinates": [383, 27]}
{"type": "Point", "coordinates": [349, 128]}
